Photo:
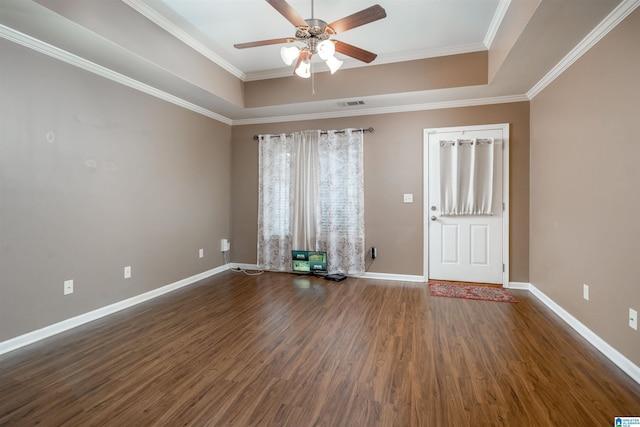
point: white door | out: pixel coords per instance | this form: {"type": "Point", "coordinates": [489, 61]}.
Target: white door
{"type": "Point", "coordinates": [466, 248]}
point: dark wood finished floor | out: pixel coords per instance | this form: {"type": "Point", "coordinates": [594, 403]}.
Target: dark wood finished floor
{"type": "Point", "coordinates": [280, 350]}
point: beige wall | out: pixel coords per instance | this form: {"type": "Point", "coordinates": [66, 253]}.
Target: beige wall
{"type": "Point", "coordinates": [127, 180]}
{"type": "Point", "coordinates": [393, 166]}
{"type": "Point", "coordinates": [468, 69]}
{"type": "Point", "coordinates": [585, 187]}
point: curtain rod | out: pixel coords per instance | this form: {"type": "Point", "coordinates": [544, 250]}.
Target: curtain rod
{"type": "Point", "coordinates": [324, 132]}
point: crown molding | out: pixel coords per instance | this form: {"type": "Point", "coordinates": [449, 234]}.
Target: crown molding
{"type": "Point", "coordinates": [155, 17]}
{"type": "Point", "coordinates": [601, 30]}
{"type": "Point", "coordinates": [72, 59]}
{"type": "Point", "coordinates": [62, 55]}
{"type": "Point", "coordinates": [494, 26]}
{"type": "Point", "coordinates": [611, 21]}
{"type": "Point", "coordinates": [385, 110]}
{"type": "Point", "coordinates": [148, 12]}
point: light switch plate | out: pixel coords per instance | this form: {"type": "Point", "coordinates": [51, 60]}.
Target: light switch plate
{"type": "Point", "coordinates": [127, 272]}
{"type": "Point", "coordinates": [633, 319]}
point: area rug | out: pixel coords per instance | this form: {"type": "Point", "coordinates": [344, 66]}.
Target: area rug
{"type": "Point", "coordinates": [484, 293]}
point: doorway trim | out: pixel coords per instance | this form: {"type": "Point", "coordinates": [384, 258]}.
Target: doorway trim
{"type": "Point", "coordinates": [505, 192]}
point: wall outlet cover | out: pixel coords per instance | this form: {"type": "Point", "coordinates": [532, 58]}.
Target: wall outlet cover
{"type": "Point", "coordinates": [633, 319]}
{"type": "Point", "coordinates": [68, 287]}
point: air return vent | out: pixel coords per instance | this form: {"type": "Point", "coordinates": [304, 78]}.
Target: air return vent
{"type": "Point", "coordinates": [350, 103]}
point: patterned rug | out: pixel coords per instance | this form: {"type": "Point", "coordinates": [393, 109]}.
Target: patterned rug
{"type": "Point", "coordinates": [484, 293]}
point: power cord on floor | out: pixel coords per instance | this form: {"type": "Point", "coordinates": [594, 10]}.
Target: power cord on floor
{"type": "Point", "coordinates": [242, 270]}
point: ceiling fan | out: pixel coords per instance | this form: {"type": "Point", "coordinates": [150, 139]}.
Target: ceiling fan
{"type": "Point", "coordinates": [316, 35]}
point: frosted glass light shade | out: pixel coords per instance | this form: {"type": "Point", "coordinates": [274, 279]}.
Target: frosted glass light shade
{"type": "Point", "coordinates": [334, 64]}
{"type": "Point", "coordinates": [289, 54]}
{"type": "Point", "coordinates": [326, 49]}
{"type": "Point", "coordinates": [304, 69]}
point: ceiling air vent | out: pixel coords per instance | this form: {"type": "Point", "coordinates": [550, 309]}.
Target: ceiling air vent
{"type": "Point", "coordinates": [350, 103]}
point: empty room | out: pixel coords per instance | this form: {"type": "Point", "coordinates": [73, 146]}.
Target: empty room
{"type": "Point", "coordinates": [319, 212]}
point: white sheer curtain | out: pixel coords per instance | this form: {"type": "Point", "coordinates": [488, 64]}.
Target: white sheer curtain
{"type": "Point", "coordinates": [274, 201]}
{"type": "Point", "coordinates": [305, 180]}
{"type": "Point", "coordinates": [311, 197]}
{"type": "Point", "coordinates": [342, 205]}
{"type": "Point", "coordinates": [466, 177]}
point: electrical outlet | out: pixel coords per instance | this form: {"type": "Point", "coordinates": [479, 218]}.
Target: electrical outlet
{"type": "Point", "coordinates": [633, 319]}
{"type": "Point", "coordinates": [407, 198]}
{"type": "Point", "coordinates": [374, 252]}
{"type": "Point", "coordinates": [127, 272]}
{"type": "Point", "coordinates": [585, 292]}
{"type": "Point", "coordinates": [68, 287]}
{"type": "Point", "coordinates": [225, 245]}
{"type": "Point", "coordinates": [201, 253]}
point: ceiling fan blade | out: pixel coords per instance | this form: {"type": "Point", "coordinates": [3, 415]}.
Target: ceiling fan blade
{"type": "Point", "coordinates": [365, 16]}
{"type": "Point", "coordinates": [264, 43]}
{"type": "Point", "coordinates": [355, 52]}
{"type": "Point", "coordinates": [288, 12]}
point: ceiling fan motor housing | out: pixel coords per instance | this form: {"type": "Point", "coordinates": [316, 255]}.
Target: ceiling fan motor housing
{"type": "Point", "coordinates": [313, 33]}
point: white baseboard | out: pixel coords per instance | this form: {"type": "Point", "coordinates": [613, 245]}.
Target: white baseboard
{"type": "Point", "coordinates": [14, 343]}
{"type": "Point", "coordinates": [251, 267]}
{"type": "Point", "coordinates": [611, 353]}
{"type": "Point", "coordinates": [377, 276]}
{"type": "Point", "coordinates": [397, 277]}
{"type": "Point", "coordinates": [56, 328]}
{"type": "Point", "coordinates": [522, 286]}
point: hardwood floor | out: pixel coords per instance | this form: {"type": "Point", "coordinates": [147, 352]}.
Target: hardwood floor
{"type": "Point", "coordinates": [276, 349]}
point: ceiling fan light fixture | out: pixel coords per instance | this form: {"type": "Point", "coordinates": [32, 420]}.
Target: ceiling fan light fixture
{"type": "Point", "coordinates": [304, 69]}
{"type": "Point", "coordinates": [326, 49]}
{"type": "Point", "coordinates": [303, 66]}
{"type": "Point", "coordinates": [289, 54]}
{"type": "Point", "coordinates": [334, 64]}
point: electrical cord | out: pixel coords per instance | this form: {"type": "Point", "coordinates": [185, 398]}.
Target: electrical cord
{"type": "Point", "coordinates": [242, 270]}
{"type": "Point", "coordinates": [366, 269]}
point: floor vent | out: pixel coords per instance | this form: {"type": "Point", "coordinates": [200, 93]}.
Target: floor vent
{"type": "Point", "coordinates": [350, 103]}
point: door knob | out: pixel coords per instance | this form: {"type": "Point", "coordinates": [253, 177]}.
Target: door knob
{"type": "Point", "coordinates": [433, 218]}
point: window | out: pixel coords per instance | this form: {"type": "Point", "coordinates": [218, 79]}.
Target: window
{"type": "Point", "coordinates": [311, 198]}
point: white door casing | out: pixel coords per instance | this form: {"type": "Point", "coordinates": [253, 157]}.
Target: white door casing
{"type": "Point", "coordinates": [467, 248]}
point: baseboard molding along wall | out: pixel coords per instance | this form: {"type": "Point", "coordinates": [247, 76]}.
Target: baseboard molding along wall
{"type": "Point", "coordinates": [393, 277]}
{"type": "Point", "coordinates": [611, 353]}
{"type": "Point", "coordinates": [65, 325]}
{"type": "Point", "coordinates": [366, 275]}
{"type": "Point", "coordinates": [602, 346]}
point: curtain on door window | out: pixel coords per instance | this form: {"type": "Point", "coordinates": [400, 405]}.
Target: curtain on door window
{"type": "Point", "coordinates": [311, 197]}
{"type": "Point", "coordinates": [466, 177]}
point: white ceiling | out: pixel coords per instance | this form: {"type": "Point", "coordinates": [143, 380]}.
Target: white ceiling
{"type": "Point", "coordinates": [413, 29]}
{"type": "Point", "coordinates": [165, 47]}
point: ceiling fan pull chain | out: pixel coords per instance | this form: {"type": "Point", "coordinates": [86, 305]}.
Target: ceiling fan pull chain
{"type": "Point", "coordinates": [313, 81]}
